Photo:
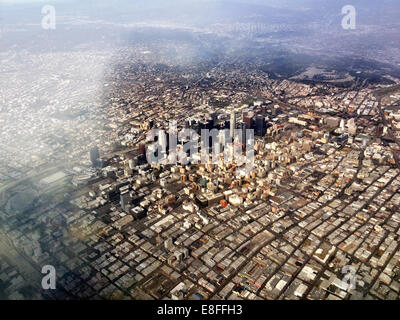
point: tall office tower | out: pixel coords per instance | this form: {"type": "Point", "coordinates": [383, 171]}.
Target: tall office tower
{"type": "Point", "coordinates": [243, 127]}
{"type": "Point", "coordinates": [248, 119]}
{"type": "Point", "coordinates": [232, 124]}
{"type": "Point", "coordinates": [125, 200]}
{"type": "Point", "coordinates": [94, 156]}
{"type": "Point", "coordinates": [142, 149]}
{"type": "Point", "coordinates": [261, 127]}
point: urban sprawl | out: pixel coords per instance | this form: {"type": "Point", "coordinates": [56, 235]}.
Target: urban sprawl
{"type": "Point", "coordinates": [321, 202]}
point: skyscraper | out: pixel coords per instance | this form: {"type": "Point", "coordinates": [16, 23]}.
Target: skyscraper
{"type": "Point", "coordinates": [125, 200]}
{"type": "Point", "coordinates": [142, 149]}
{"type": "Point", "coordinates": [94, 156]}
{"type": "Point", "coordinates": [232, 124]}
{"type": "Point", "coordinates": [261, 126]}
{"type": "Point", "coordinates": [243, 127]}
{"type": "Point", "coordinates": [248, 119]}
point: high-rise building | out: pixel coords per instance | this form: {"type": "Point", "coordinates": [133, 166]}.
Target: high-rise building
{"type": "Point", "coordinates": [125, 200]}
{"type": "Point", "coordinates": [248, 119]}
{"type": "Point", "coordinates": [232, 124]}
{"type": "Point", "coordinates": [142, 149]}
{"type": "Point", "coordinates": [94, 156]}
{"type": "Point", "coordinates": [261, 126]}
{"type": "Point", "coordinates": [243, 127]}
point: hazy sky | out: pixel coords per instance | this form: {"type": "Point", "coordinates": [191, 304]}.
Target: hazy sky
{"type": "Point", "coordinates": [27, 1]}
{"type": "Point", "coordinates": [282, 3]}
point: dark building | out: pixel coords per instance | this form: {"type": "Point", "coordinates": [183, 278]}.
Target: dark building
{"type": "Point", "coordinates": [223, 125]}
{"type": "Point", "coordinates": [342, 139]}
{"type": "Point", "coordinates": [202, 201]}
{"type": "Point", "coordinates": [142, 149]}
{"type": "Point", "coordinates": [214, 117]}
{"type": "Point", "coordinates": [151, 124]}
{"type": "Point", "coordinates": [248, 119]}
{"type": "Point", "coordinates": [94, 156]}
{"type": "Point", "coordinates": [112, 195]}
{"type": "Point", "coordinates": [141, 159]}
{"type": "Point", "coordinates": [261, 126]}
{"type": "Point", "coordinates": [206, 124]}
{"type": "Point", "coordinates": [243, 127]}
